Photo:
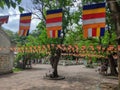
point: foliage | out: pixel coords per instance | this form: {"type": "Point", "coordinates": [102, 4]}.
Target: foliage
{"type": "Point", "coordinates": [17, 69]}
{"type": "Point", "coordinates": [67, 15]}
{"type": "Point", "coordinates": [72, 26]}
{"type": "Point", "coordinates": [12, 3]}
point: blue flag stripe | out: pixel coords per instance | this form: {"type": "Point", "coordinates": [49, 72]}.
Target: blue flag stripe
{"type": "Point", "coordinates": [102, 31]}
{"type": "Point", "coordinates": [93, 6]}
{"type": "Point", "coordinates": [59, 32]}
{"type": "Point", "coordinates": [54, 11]}
{"type": "Point", "coordinates": [27, 32]}
{"type": "Point", "coordinates": [26, 14]}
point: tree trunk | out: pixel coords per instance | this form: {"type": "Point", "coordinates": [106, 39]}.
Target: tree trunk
{"type": "Point", "coordinates": [54, 59]}
{"type": "Point", "coordinates": [25, 60]}
{"type": "Point", "coordinates": [24, 64]}
{"type": "Point", "coordinates": [115, 10]}
{"type": "Point", "coordinates": [113, 70]}
{"type": "Point", "coordinates": [55, 72]}
{"type": "Point", "coordinates": [54, 63]}
{"type": "Point", "coordinates": [118, 53]}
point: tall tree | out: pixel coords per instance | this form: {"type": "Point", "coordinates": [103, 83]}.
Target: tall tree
{"type": "Point", "coordinates": [69, 17]}
{"type": "Point", "coordinates": [109, 37]}
{"type": "Point", "coordinates": [114, 6]}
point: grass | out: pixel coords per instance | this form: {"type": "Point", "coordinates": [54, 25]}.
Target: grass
{"type": "Point", "coordinates": [17, 69]}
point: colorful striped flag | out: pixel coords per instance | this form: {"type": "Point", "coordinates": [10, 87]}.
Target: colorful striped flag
{"type": "Point", "coordinates": [25, 20]}
{"type": "Point", "coordinates": [53, 33]}
{"type": "Point", "coordinates": [54, 23]}
{"type": "Point", "coordinates": [4, 19]}
{"type": "Point", "coordinates": [94, 20]}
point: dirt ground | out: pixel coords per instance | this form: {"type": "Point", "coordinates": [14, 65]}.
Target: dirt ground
{"type": "Point", "coordinates": [77, 77]}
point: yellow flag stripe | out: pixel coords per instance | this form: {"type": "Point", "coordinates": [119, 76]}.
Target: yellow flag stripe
{"type": "Point", "coordinates": [25, 18]}
{"type": "Point", "coordinates": [93, 11]}
{"type": "Point", "coordinates": [98, 32]}
{"type": "Point", "coordinates": [56, 33]}
{"type": "Point", "coordinates": [54, 15]}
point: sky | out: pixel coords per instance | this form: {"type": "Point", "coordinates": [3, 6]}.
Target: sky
{"type": "Point", "coordinates": [14, 16]}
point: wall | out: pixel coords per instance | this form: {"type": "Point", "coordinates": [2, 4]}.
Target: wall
{"type": "Point", "coordinates": [6, 56]}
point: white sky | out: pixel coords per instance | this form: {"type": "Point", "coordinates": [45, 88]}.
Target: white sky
{"type": "Point", "coordinates": [13, 22]}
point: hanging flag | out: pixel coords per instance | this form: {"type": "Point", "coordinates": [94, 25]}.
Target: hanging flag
{"type": "Point", "coordinates": [25, 20]}
{"type": "Point", "coordinates": [94, 20]}
{"type": "Point", "coordinates": [54, 23]}
{"type": "Point", "coordinates": [53, 33]}
{"type": "Point", "coordinates": [4, 19]}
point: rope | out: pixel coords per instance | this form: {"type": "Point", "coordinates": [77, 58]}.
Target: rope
{"type": "Point", "coordinates": [38, 11]}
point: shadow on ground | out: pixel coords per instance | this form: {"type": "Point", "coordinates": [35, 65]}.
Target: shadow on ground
{"type": "Point", "coordinates": [36, 69]}
{"type": "Point", "coordinates": [47, 88]}
{"type": "Point", "coordinates": [7, 75]}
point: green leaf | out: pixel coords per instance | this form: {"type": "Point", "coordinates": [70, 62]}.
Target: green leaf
{"type": "Point", "coordinates": [1, 4]}
{"type": "Point", "coordinates": [7, 2]}
{"type": "Point", "coordinates": [21, 9]}
{"type": "Point", "coordinates": [13, 4]}
{"type": "Point", "coordinates": [18, 1]}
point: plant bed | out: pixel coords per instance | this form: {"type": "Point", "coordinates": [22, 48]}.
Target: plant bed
{"type": "Point", "coordinates": [56, 78]}
{"type": "Point", "coordinates": [17, 69]}
{"type": "Point", "coordinates": [108, 86]}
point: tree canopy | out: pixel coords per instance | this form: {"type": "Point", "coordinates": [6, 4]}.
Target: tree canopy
{"type": "Point", "coordinates": [11, 3]}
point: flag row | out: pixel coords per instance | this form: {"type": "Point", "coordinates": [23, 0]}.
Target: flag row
{"type": "Point", "coordinates": [93, 18]}
{"type": "Point", "coordinates": [67, 48]}
{"type": "Point", "coordinates": [24, 25]}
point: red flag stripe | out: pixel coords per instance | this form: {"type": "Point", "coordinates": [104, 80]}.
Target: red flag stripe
{"type": "Point", "coordinates": [53, 34]}
{"type": "Point", "coordinates": [3, 19]}
{"type": "Point", "coordinates": [25, 21]}
{"type": "Point", "coordinates": [94, 32]}
{"type": "Point", "coordinates": [93, 16]}
{"type": "Point", "coordinates": [59, 19]}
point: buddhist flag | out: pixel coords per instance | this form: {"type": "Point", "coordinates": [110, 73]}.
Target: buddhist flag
{"type": "Point", "coordinates": [53, 33]}
{"type": "Point", "coordinates": [94, 20]}
{"type": "Point", "coordinates": [54, 23]}
{"type": "Point", "coordinates": [25, 20]}
{"type": "Point", "coordinates": [4, 19]}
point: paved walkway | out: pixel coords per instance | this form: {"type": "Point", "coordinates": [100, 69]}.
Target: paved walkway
{"type": "Point", "coordinates": [77, 78]}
